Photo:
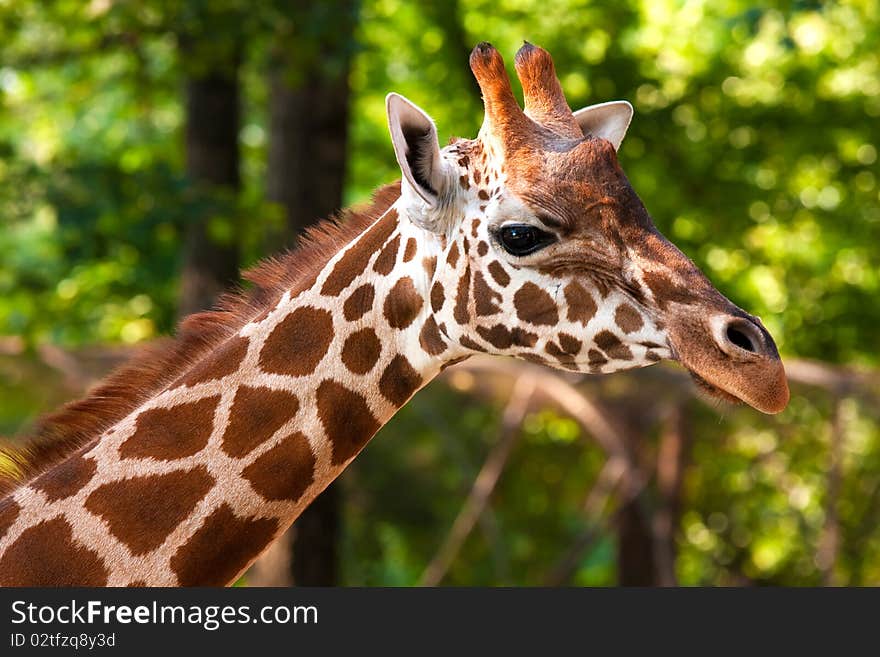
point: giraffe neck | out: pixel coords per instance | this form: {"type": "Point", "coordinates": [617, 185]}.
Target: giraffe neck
{"type": "Point", "coordinates": [192, 486]}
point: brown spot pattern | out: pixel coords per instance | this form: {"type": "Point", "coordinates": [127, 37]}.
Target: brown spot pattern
{"type": "Point", "coordinates": [496, 269]}
{"type": "Point", "coordinates": [430, 338]}
{"type": "Point", "coordinates": [359, 302]}
{"type": "Point", "coordinates": [503, 338]}
{"type": "Point", "coordinates": [361, 351]}
{"type": "Point", "coordinates": [402, 304]}
{"type": "Point", "coordinates": [485, 297]}
{"type": "Point", "coordinates": [221, 548]}
{"type": "Point", "coordinates": [535, 306]}
{"type": "Point", "coordinates": [223, 362]}
{"type": "Point", "coordinates": [410, 251]}
{"type": "Point", "coordinates": [437, 297]}
{"type": "Point", "coordinates": [47, 555]}
{"type": "Point", "coordinates": [399, 380]}
{"type": "Point", "coordinates": [665, 290]}
{"type": "Point", "coordinates": [256, 414]}
{"type": "Point", "coordinates": [172, 433]}
{"type": "Point", "coordinates": [465, 341]}
{"type": "Point", "coordinates": [560, 354]}
{"type": "Point", "coordinates": [387, 257]}
{"type": "Point", "coordinates": [627, 318]}
{"type": "Point", "coordinates": [452, 256]}
{"type": "Point", "coordinates": [596, 357]}
{"type": "Point", "coordinates": [354, 262]}
{"type": "Point", "coordinates": [66, 478]}
{"type": "Point", "coordinates": [612, 346]}
{"type": "Point", "coordinates": [460, 311]}
{"type": "Point", "coordinates": [482, 248]}
{"type": "Point", "coordinates": [346, 418]}
{"type": "Point", "coordinates": [142, 511]}
{"type": "Point", "coordinates": [569, 343]}
{"type": "Point", "coordinates": [284, 472]}
{"type": "Point", "coordinates": [298, 343]}
{"type": "Point", "coordinates": [581, 306]}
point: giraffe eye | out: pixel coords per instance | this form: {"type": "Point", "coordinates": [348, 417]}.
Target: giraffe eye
{"type": "Point", "coordinates": [523, 239]}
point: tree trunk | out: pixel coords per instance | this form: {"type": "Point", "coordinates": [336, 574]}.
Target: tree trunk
{"type": "Point", "coordinates": [308, 143]}
{"type": "Point", "coordinates": [635, 547]}
{"type": "Point", "coordinates": [646, 525]}
{"type": "Point", "coordinates": [308, 113]}
{"type": "Point", "coordinates": [308, 138]}
{"type": "Point", "coordinates": [315, 552]}
{"type": "Point", "coordinates": [672, 456]}
{"type": "Point", "coordinates": [210, 260]}
{"type": "Point", "coordinates": [636, 563]}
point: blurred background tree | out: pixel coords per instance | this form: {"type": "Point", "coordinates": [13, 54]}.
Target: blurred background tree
{"type": "Point", "coordinates": [149, 149]}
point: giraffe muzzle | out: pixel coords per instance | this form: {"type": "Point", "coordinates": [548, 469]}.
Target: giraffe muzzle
{"type": "Point", "coordinates": [732, 356]}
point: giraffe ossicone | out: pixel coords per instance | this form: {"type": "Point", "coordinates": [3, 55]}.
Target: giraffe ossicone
{"type": "Point", "coordinates": [527, 241]}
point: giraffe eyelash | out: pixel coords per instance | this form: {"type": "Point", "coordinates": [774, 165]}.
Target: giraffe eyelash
{"type": "Point", "coordinates": [549, 220]}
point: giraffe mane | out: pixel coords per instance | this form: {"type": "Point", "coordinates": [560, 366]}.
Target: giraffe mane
{"type": "Point", "coordinates": [61, 433]}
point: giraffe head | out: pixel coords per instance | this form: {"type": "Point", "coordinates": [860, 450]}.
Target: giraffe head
{"type": "Point", "coordinates": [549, 254]}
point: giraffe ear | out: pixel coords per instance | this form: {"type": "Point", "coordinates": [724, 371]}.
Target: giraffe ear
{"type": "Point", "coordinates": [414, 137]}
{"type": "Point", "coordinates": [606, 120]}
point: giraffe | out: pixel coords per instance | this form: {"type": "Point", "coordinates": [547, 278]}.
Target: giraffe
{"type": "Point", "coordinates": [527, 241]}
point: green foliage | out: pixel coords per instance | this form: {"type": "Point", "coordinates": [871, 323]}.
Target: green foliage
{"type": "Point", "coordinates": [754, 146]}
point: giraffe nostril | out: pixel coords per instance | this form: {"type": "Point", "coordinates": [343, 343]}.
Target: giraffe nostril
{"type": "Point", "coordinates": [740, 339]}
{"type": "Point", "coordinates": [735, 335]}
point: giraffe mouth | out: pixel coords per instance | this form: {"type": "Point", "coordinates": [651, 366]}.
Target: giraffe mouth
{"type": "Point", "coordinates": [714, 391]}
{"type": "Point", "coordinates": [705, 388]}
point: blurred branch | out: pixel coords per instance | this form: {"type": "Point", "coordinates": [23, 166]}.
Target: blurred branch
{"type": "Point", "coordinates": [75, 376]}
{"type": "Point", "coordinates": [610, 476]}
{"type": "Point", "coordinates": [484, 484]}
{"type": "Point", "coordinates": [607, 426]}
{"type": "Point", "coordinates": [834, 378]}
{"type": "Point", "coordinates": [453, 446]}
{"type": "Point", "coordinates": [551, 387]}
